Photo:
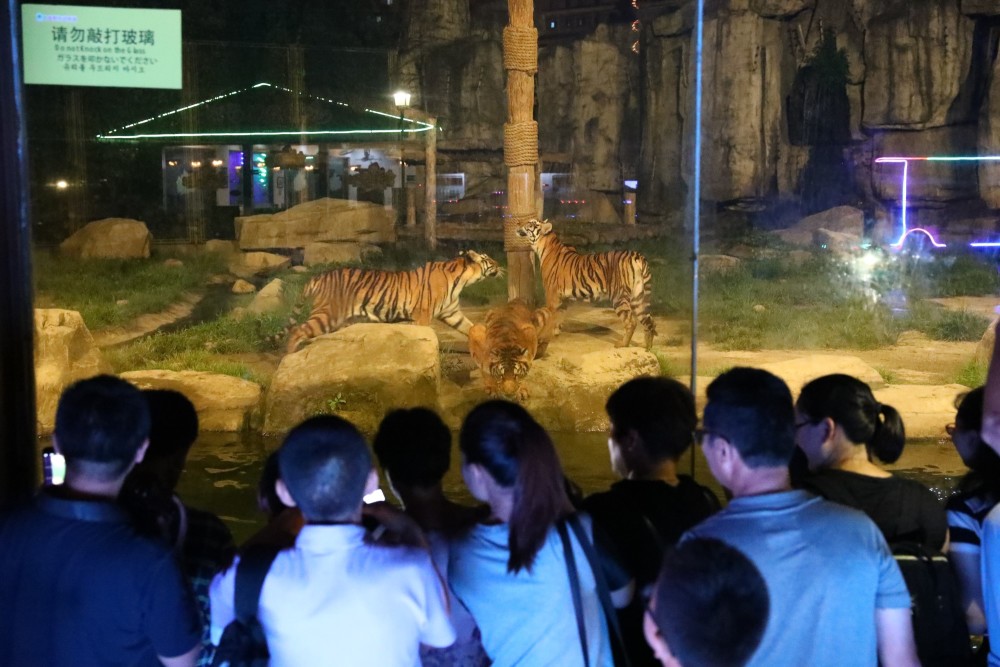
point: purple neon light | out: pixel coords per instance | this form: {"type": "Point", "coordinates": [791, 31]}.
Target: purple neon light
{"type": "Point", "coordinates": [935, 158]}
{"type": "Point", "coordinates": [905, 161]}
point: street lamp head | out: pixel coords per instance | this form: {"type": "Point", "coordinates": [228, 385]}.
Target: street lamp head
{"type": "Point", "coordinates": [401, 98]}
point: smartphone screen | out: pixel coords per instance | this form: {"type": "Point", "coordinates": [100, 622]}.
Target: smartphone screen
{"type": "Point", "coordinates": [374, 497]}
{"type": "Point", "coordinates": [54, 466]}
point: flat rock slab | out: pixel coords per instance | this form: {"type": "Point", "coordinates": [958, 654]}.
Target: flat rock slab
{"type": "Point", "coordinates": [148, 323]}
{"type": "Point", "coordinates": [359, 372]}
{"type": "Point", "coordinates": [797, 372]}
{"type": "Point", "coordinates": [925, 409]}
{"type": "Point", "coordinates": [223, 402]}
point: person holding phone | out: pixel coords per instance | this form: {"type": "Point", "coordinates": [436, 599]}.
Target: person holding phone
{"type": "Point", "coordinates": [79, 586]}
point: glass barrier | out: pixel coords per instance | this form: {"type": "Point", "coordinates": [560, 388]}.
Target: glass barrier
{"type": "Point", "coordinates": [843, 219]}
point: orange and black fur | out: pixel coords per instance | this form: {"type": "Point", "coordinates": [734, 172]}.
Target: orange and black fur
{"type": "Point", "coordinates": [505, 344]}
{"type": "Point", "coordinates": [392, 296]}
{"type": "Point", "coordinates": [621, 276]}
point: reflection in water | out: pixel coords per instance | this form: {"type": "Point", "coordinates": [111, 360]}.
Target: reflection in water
{"type": "Point", "coordinates": [223, 470]}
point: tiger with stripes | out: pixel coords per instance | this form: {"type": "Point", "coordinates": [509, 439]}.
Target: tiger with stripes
{"type": "Point", "coordinates": [418, 295]}
{"type": "Point", "coordinates": [621, 276]}
{"type": "Point", "coordinates": [506, 342]}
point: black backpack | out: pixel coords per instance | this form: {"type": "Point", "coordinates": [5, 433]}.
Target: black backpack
{"type": "Point", "coordinates": [939, 627]}
{"type": "Point", "coordinates": [243, 643]}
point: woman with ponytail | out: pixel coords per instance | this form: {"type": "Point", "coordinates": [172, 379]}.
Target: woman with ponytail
{"type": "Point", "coordinates": [511, 571]}
{"type": "Point", "coordinates": [843, 431]}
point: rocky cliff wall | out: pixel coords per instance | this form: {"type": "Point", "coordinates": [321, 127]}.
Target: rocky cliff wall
{"type": "Point", "coordinates": [920, 77]}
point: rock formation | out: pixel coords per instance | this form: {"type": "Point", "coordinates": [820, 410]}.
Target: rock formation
{"type": "Point", "coordinates": [111, 238]}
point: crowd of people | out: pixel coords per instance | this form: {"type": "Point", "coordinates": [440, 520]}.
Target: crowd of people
{"type": "Point", "coordinates": [799, 565]}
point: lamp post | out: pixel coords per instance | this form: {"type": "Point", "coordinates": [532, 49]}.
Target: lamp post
{"type": "Point", "coordinates": [401, 98]}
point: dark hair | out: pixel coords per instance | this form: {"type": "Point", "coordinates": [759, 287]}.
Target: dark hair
{"type": "Point", "coordinates": [661, 412]}
{"type": "Point", "coordinates": [173, 423]}
{"type": "Point", "coordinates": [516, 451]}
{"type": "Point", "coordinates": [849, 402]}
{"type": "Point", "coordinates": [267, 496]}
{"type": "Point", "coordinates": [100, 425]}
{"type": "Point", "coordinates": [712, 604]}
{"type": "Point", "coordinates": [324, 462]}
{"type": "Point", "coordinates": [752, 409]}
{"type": "Point", "coordinates": [984, 475]}
{"type": "Point", "coordinates": [414, 447]}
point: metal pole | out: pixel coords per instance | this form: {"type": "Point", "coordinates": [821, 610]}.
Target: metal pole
{"type": "Point", "coordinates": [699, 29]}
{"type": "Point", "coordinates": [18, 472]}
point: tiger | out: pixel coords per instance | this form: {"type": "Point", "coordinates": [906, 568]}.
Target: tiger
{"type": "Point", "coordinates": [622, 276]}
{"type": "Point", "coordinates": [506, 342]}
{"type": "Point", "coordinates": [418, 295]}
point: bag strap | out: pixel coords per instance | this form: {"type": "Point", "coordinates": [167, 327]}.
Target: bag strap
{"type": "Point", "coordinates": [250, 574]}
{"type": "Point", "coordinates": [574, 587]}
{"type": "Point", "coordinates": [603, 592]}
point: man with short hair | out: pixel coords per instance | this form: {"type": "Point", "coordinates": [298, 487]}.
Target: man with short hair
{"type": "Point", "coordinates": [78, 585]}
{"type": "Point", "coordinates": [336, 598]}
{"type": "Point", "coordinates": [837, 595]}
{"type": "Point", "coordinates": [711, 602]}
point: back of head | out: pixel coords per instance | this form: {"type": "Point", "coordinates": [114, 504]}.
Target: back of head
{"type": "Point", "coordinates": [516, 451]}
{"type": "Point", "coordinates": [659, 410]}
{"type": "Point", "coordinates": [969, 410]}
{"type": "Point", "coordinates": [849, 402]}
{"type": "Point", "coordinates": [414, 447]}
{"type": "Point", "coordinates": [173, 423]}
{"type": "Point", "coordinates": [983, 459]}
{"type": "Point", "coordinates": [101, 423]}
{"type": "Point", "coordinates": [711, 604]}
{"type": "Point", "coordinates": [324, 463]}
{"type": "Point", "coordinates": [752, 409]}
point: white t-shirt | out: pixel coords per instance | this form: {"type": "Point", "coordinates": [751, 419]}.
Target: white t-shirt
{"type": "Point", "coordinates": [335, 600]}
{"type": "Point", "coordinates": [528, 618]}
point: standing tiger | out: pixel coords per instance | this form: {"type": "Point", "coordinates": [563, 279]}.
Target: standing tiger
{"type": "Point", "coordinates": [506, 343]}
{"type": "Point", "coordinates": [392, 296]}
{"type": "Point", "coordinates": [622, 276]}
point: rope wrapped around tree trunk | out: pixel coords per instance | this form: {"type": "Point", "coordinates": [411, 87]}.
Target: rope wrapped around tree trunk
{"type": "Point", "coordinates": [511, 241]}
{"type": "Point", "coordinates": [520, 144]}
{"type": "Point", "coordinates": [520, 49]}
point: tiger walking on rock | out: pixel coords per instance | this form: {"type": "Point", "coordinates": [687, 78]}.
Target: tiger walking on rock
{"type": "Point", "coordinates": [621, 276]}
{"type": "Point", "coordinates": [505, 344]}
{"type": "Point", "coordinates": [418, 295]}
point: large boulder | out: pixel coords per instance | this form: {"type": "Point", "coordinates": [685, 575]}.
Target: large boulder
{"type": "Point", "coordinates": [338, 253]}
{"type": "Point", "coordinates": [568, 387]}
{"type": "Point", "coordinates": [801, 370]}
{"type": "Point", "coordinates": [64, 353]}
{"type": "Point", "coordinates": [842, 219]}
{"type": "Point", "coordinates": [249, 265]}
{"type": "Point", "coordinates": [268, 299]}
{"type": "Point", "coordinates": [319, 220]}
{"type": "Point", "coordinates": [111, 238]}
{"type": "Point", "coordinates": [917, 56]}
{"type": "Point", "coordinates": [925, 409]}
{"type": "Point", "coordinates": [359, 372]}
{"type": "Point", "coordinates": [223, 402]}
{"type": "Point", "coordinates": [989, 137]}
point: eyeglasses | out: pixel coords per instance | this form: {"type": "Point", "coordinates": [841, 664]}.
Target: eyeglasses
{"type": "Point", "coordinates": [950, 429]}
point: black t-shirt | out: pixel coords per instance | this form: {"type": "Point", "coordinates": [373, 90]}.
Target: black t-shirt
{"type": "Point", "coordinates": [78, 587]}
{"type": "Point", "coordinates": [904, 510]}
{"type": "Point", "coordinates": [643, 517]}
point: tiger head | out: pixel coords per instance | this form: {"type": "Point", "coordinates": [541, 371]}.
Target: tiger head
{"type": "Point", "coordinates": [508, 367]}
{"type": "Point", "coordinates": [533, 230]}
{"type": "Point", "coordinates": [488, 267]}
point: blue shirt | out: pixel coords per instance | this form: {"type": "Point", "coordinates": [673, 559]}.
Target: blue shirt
{"type": "Point", "coordinates": [79, 588]}
{"type": "Point", "coordinates": [827, 569]}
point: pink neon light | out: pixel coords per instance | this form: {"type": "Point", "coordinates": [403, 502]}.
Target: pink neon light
{"type": "Point", "coordinates": [905, 161]}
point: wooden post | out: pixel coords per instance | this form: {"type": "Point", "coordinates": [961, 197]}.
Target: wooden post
{"type": "Point", "coordinates": [411, 207]}
{"type": "Point", "coordinates": [520, 57]}
{"type": "Point", "coordinates": [629, 214]}
{"type": "Point", "coordinates": [430, 184]}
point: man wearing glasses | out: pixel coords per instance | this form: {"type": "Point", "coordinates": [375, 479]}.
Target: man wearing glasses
{"type": "Point", "coordinates": [837, 596]}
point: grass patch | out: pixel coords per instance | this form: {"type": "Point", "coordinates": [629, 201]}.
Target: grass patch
{"type": "Point", "coordinates": [667, 368]}
{"type": "Point", "coordinates": [94, 287]}
{"type": "Point", "coordinates": [889, 376]}
{"type": "Point", "coordinates": [943, 324]}
{"type": "Point", "coordinates": [972, 375]}
{"type": "Point", "coordinates": [198, 347]}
